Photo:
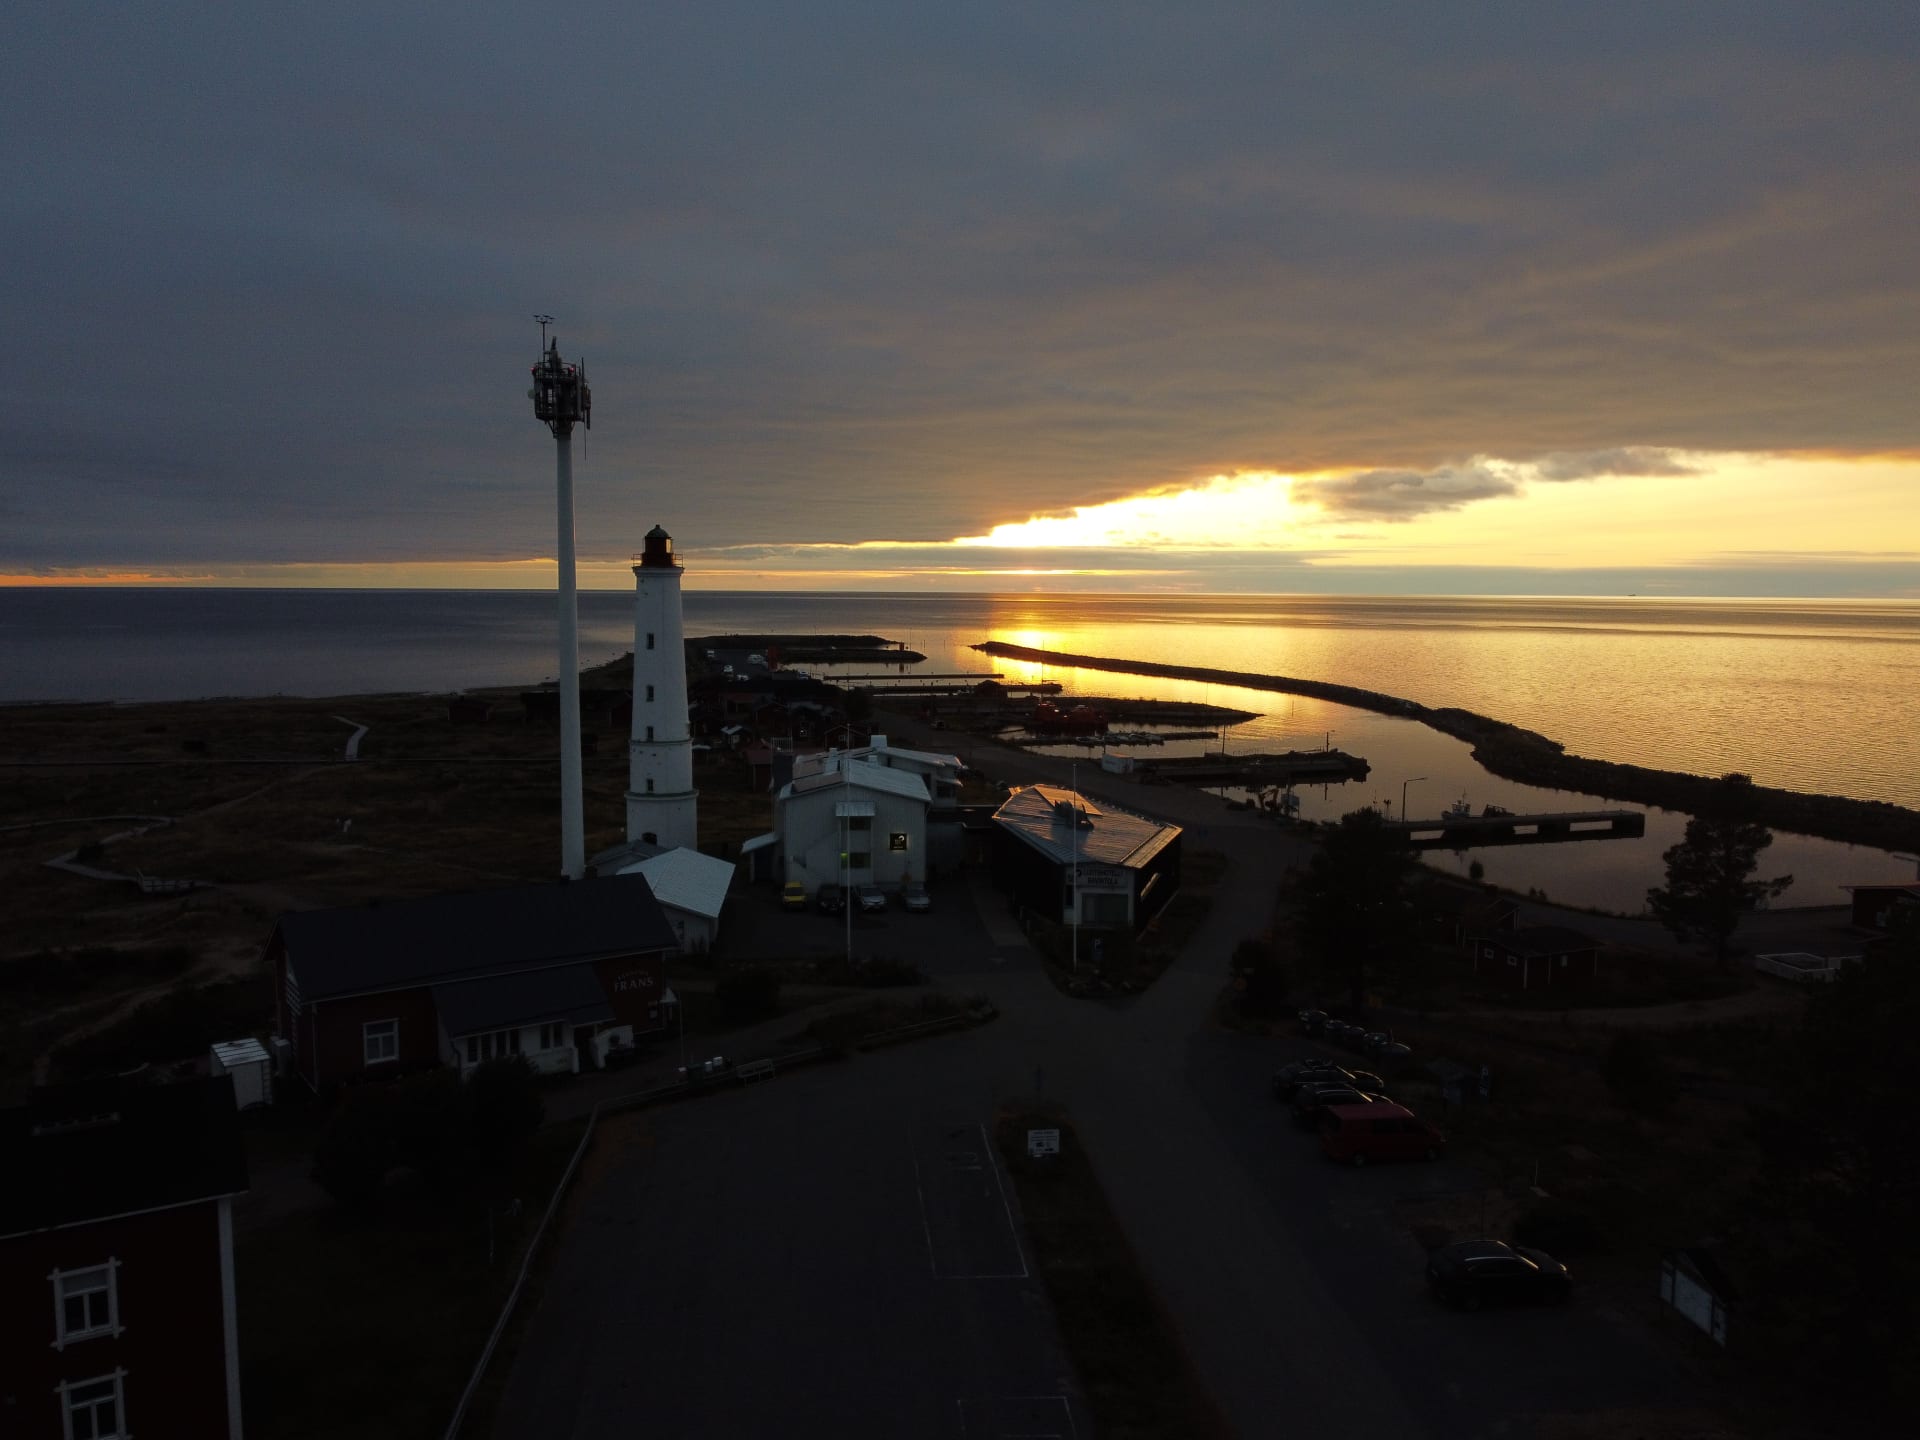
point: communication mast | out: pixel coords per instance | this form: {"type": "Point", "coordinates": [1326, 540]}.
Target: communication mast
{"type": "Point", "coordinates": [560, 400]}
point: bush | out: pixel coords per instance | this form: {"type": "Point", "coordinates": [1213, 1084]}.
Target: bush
{"type": "Point", "coordinates": [1264, 983]}
{"type": "Point", "coordinates": [1561, 1229]}
{"type": "Point", "coordinates": [885, 971]}
{"type": "Point", "coordinates": [1637, 1075]}
{"type": "Point", "coordinates": [740, 996]}
{"type": "Point", "coordinates": [442, 1128]}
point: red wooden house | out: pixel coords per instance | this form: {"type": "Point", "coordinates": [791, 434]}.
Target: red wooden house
{"type": "Point", "coordinates": [117, 1312]}
{"type": "Point", "coordinates": [1543, 957]}
{"type": "Point", "coordinates": [560, 974]}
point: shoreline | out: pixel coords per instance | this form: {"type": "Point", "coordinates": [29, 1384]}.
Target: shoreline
{"type": "Point", "coordinates": [1512, 753]}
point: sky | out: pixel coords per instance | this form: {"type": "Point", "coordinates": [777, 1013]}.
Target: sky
{"type": "Point", "coordinates": [1396, 298]}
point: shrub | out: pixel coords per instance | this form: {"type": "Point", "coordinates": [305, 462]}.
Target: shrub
{"type": "Point", "coordinates": [744, 995]}
{"type": "Point", "coordinates": [1561, 1229]}
{"type": "Point", "coordinates": [1636, 1073]}
{"type": "Point", "coordinates": [886, 971]}
{"type": "Point", "coordinates": [1264, 983]}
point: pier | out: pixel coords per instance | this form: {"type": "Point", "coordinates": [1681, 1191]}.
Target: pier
{"type": "Point", "coordinates": [1470, 832]}
{"type": "Point", "coordinates": [1260, 772]}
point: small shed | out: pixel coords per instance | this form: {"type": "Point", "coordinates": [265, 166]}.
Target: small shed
{"type": "Point", "coordinates": [250, 1066]}
{"type": "Point", "coordinates": [1545, 956]}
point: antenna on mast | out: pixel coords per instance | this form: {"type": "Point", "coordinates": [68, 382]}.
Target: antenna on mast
{"type": "Point", "coordinates": [545, 320]}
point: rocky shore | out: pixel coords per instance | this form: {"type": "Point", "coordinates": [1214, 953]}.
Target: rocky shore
{"type": "Point", "coordinates": [1532, 759]}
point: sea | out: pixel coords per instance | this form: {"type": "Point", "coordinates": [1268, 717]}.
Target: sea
{"type": "Point", "coordinates": [1811, 695]}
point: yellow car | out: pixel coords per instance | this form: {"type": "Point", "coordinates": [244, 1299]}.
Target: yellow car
{"type": "Point", "coordinates": [793, 896]}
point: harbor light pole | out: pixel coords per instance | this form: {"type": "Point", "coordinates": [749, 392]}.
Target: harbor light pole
{"type": "Point", "coordinates": [1403, 795]}
{"type": "Point", "coordinates": [1073, 781]}
{"type": "Point", "coordinates": [560, 399]}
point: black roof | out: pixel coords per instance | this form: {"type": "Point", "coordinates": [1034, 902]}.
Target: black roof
{"type": "Point", "coordinates": [74, 1153]}
{"type": "Point", "coordinates": [521, 997]}
{"type": "Point", "coordinates": [401, 943]}
{"type": "Point", "coordinates": [1544, 940]}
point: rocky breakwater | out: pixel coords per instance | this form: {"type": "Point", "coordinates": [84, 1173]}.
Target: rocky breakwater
{"type": "Point", "coordinates": [1532, 759]}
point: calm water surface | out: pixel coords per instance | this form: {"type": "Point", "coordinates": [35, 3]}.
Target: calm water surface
{"type": "Point", "coordinates": [1810, 695]}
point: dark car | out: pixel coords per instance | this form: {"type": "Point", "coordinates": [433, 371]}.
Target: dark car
{"type": "Point", "coordinates": [1335, 1031]}
{"type": "Point", "coordinates": [830, 899]}
{"type": "Point", "coordinates": [1289, 1078]}
{"type": "Point", "coordinates": [1312, 1101]}
{"type": "Point", "coordinates": [1365, 1080]}
{"type": "Point", "coordinates": [916, 899]}
{"type": "Point", "coordinates": [871, 897]}
{"type": "Point", "coordinates": [1473, 1273]}
{"type": "Point", "coordinates": [1313, 1021]}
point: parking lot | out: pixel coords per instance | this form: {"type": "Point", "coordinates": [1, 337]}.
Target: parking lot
{"type": "Point", "coordinates": [948, 940]}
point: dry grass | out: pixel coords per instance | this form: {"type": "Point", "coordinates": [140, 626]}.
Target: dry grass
{"type": "Point", "coordinates": [430, 807]}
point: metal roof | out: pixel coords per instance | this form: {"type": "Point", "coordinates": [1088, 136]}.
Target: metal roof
{"type": "Point", "coordinates": [240, 1052]}
{"type": "Point", "coordinates": [404, 943]}
{"type": "Point", "coordinates": [526, 997]}
{"type": "Point", "coordinates": [864, 777]}
{"type": "Point", "coordinates": [1044, 817]}
{"type": "Point", "coordinates": [112, 1148]}
{"type": "Point", "coordinates": [687, 880]}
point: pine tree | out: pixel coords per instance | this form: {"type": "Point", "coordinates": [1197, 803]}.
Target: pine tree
{"type": "Point", "coordinates": [1710, 883]}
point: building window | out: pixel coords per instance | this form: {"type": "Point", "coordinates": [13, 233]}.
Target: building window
{"type": "Point", "coordinates": [380, 1041]}
{"type": "Point", "coordinates": [86, 1304]}
{"type": "Point", "coordinates": [649, 732]}
{"type": "Point", "coordinates": [859, 859]}
{"type": "Point", "coordinates": [554, 1036]}
{"type": "Point", "coordinates": [649, 639]}
{"type": "Point", "coordinates": [859, 823]}
{"type": "Point", "coordinates": [93, 1409]}
{"type": "Point", "coordinates": [649, 785]}
{"type": "Point", "coordinates": [495, 1045]}
{"type": "Point", "coordinates": [293, 995]}
{"type": "Point", "coordinates": [649, 692]}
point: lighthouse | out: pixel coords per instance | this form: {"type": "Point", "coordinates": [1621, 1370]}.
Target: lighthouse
{"type": "Point", "coordinates": [662, 805]}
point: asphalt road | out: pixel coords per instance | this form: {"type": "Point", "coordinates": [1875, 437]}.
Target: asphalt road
{"type": "Point", "coordinates": [816, 1255]}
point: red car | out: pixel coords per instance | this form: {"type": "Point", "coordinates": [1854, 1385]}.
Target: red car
{"type": "Point", "coordinates": [1359, 1134]}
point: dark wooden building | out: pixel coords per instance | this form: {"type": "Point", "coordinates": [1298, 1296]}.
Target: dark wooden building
{"type": "Point", "coordinates": [1543, 957]}
{"type": "Point", "coordinates": [117, 1312]}
{"type": "Point", "coordinates": [560, 974]}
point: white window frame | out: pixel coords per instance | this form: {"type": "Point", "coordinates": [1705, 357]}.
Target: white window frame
{"type": "Point", "coordinates": [66, 1285]}
{"type": "Point", "coordinates": [389, 1031]}
{"type": "Point", "coordinates": [485, 1046]}
{"type": "Point", "coordinates": [68, 1409]}
{"type": "Point", "coordinates": [553, 1035]}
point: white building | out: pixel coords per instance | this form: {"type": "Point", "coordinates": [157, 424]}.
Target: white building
{"type": "Point", "coordinates": [939, 773]}
{"type": "Point", "coordinates": [872, 815]}
{"type": "Point", "coordinates": [692, 889]}
{"type": "Point", "coordinates": [662, 805]}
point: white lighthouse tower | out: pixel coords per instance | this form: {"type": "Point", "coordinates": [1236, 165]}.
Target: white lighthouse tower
{"type": "Point", "coordinates": [662, 805]}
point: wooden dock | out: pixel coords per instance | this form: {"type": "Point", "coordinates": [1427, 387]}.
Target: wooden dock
{"type": "Point", "coordinates": [1471, 832]}
{"type": "Point", "coordinates": [1260, 772]}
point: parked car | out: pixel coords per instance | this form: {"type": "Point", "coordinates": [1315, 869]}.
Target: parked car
{"type": "Point", "coordinates": [704, 1069]}
{"type": "Point", "coordinates": [1313, 1021]}
{"type": "Point", "coordinates": [830, 898]}
{"type": "Point", "coordinates": [1373, 1040]}
{"type": "Point", "coordinates": [1335, 1031]}
{"type": "Point", "coordinates": [1377, 1129]}
{"type": "Point", "coordinates": [1392, 1054]}
{"type": "Point", "coordinates": [1365, 1080]}
{"type": "Point", "coordinates": [1312, 1101]}
{"type": "Point", "coordinates": [1473, 1273]}
{"type": "Point", "coordinates": [1354, 1038]}
{"type": "Point", "coordinates": [793, 896]}
{"type": "Point", "coordinates": [1289, 1078]}
{"type": "Point", "coordinates": [872, 897]}
{"type": "Point", "coordinates": [916, 899]}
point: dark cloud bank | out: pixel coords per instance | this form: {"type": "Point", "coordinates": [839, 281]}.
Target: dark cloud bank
{"type": "Point", "coordinates": [848, 271]}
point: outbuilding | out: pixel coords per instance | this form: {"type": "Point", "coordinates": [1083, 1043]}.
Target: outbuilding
{"type": "Point", "coordinates": [1062, 857]}
{"type": "Point", "coordinates": [1542, 957]}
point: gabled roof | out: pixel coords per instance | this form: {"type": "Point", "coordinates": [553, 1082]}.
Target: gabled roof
{"type": "Point", "coordinates": [1544, 940]}
{"type": "Point", "coordinates": [404, 943]}
{"type": "Point", "coordinates": [1044, 817]}
{"type": "Point", "coordinates": [523, 997]}
{"type": "Point", "coordinates": [686, 880]}
{"type": "Point", "coordinates": [75, 1153]}
{"type": "Point", "coordinates": [862, 777]}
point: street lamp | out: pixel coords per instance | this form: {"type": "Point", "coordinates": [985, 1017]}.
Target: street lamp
{"type": "Point", "coordinates": [1403, 794]}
